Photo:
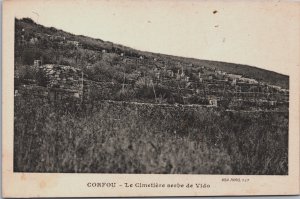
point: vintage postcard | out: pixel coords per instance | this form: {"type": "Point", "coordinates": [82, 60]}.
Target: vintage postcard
{"type": "Point", "coordinates": [150, 98]}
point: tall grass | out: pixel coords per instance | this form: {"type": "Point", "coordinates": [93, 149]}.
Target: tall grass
{"type": "Point", "coordinates": [125, 138]}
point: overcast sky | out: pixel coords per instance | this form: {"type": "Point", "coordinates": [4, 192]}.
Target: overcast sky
{"type": "Point", "coordinates": [265, 34]}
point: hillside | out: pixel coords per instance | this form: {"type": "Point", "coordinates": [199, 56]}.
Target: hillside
{"type": "Point", "coordinates": [115, 72]}
{"type": "Point", "coordinates": [85, 105]}
{"type": "Point", "coordinates": [89, 50]}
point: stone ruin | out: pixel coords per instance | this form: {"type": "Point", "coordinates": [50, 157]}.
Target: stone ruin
{"type": "Point", "coordinates": [63, 81]}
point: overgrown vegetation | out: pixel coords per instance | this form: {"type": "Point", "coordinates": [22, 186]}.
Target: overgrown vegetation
{"type": "Point", "coordinates": [89, 54]}
{"type": "Point", "coordinates": [126, 138]}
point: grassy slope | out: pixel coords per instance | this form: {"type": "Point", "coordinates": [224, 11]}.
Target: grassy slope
{"type": "Point", "coordinates": [119, 138]}
{"type": "Point", "coordinates": [98, 44]}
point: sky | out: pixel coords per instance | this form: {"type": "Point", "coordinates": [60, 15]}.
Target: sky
{"type": "Point", "coordinates": [265, 34]}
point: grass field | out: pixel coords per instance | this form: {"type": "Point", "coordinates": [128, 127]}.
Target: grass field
{"type": "Point", "coordinates": [121, 138]}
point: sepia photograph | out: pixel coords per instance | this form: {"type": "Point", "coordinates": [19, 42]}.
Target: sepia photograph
{"type": "Point", "coordinates": [154, 87]}
{"type": "Point", "coordinates": [87, 105]}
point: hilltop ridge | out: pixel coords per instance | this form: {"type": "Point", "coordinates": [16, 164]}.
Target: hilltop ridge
{"type": "Point", "coordinates": [93, 46]}
{"type": "Point", "coordinates": [114, 72]}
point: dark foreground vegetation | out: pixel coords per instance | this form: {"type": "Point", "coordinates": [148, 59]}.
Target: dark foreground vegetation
{"type": "Point", "coordinates": [126, 138]}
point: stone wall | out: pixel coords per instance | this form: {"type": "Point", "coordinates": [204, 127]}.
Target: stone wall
{"type": "Point", "coordinates": [64, 77]}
